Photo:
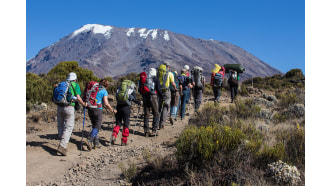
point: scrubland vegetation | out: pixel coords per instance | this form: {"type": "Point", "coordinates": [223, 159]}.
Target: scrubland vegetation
{"type": "Point", "coordinates": [234, 145]}
{"type": "Point", "coordinates": [222, 145]}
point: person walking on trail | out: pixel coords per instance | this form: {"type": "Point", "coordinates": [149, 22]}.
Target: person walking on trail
{"type": "Point", "coordinates": [165, 78]}
{"type": "Point", "coordinates": [185, 87]}
{"type": "Point", "coordinates": [175, 98]}
{"type": "Point", "coordinates": [66, 116]}
{"type": "Point", "coordinates": [190, 80]}
{"type": "Point", "coordinates": [125, 95]}
{"type": "Point", "coordinates": [198, 86]}
{"type": "Point", "coordinates": [151, 93]}
{"type": "Point", "coordinates": [95, 114]}
{"type": "Point", "coordinates": [233, 83]}
{"type": "Point", "coordinates": [217, 76]}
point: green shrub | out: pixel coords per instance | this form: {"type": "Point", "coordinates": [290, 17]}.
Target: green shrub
{"type": "Point", "coordinates": [294, 141]}
{"type": "Point", "coordinates": [280, 117]}
{"type": "Point", "coordinates": [245, 109]}
{"type": "Point", "coordinates": [201, 144]}
{"type": "Point", "coordinates": [128, 172]}
{"type": "Point", "coordinates": [208, 89]}
{"type": "Point", "coordinates": [40, 88]}
{"type": "Point", "coordinates": [290, 79]}
{"type": "Point", "coordinates": [285, 100]}
{"type": "Point", "coordinates": [243, 90]}
{"type": "Point", "coordinates": [37, 89]}
{"type": "Point", "coordinates": [294, 73]}
{"type": "Point", "coordinates": [269, 155]}
{"type": "Point", "coordinates": [210, 113]}
{"type": "Point", "coordinates": [254, 139]}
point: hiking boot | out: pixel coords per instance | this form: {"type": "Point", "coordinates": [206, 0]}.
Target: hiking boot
{"type": "Point", "coordinates": [146, 134]}
{"type": "Point", "coordinates": [97, 144]}
{"type": "Point", "coordinates": [61, 150]}
{"type": "Point", "coordinates": [89, 143]}
{"type": "Point", "coordinates": [113, 140]}
{"type": "Point", "coordinates": [172, 120]}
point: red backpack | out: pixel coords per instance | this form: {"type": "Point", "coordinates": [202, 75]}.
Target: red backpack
{"type": "Point", "coordinates": [90, 93]}
{"type": "Point", "coordinates": [147, 85]}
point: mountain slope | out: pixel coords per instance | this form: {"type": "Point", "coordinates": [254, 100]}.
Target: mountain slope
{"type": "Point", "coordinates": [114, 51]}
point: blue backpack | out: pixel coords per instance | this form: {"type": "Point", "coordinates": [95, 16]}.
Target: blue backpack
{"type": "Point", "coordinates": [62, 95]}
{"type": "Point", "coordinates": [176, 81]}
{"type": "Point", "coordinates": [217, 81]}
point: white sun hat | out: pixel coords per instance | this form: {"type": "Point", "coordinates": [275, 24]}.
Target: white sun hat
{"type": "Point", "coordinates": [152, 71]}
{"type": "Point", "coordinates": [186, 67]}
{"type": "Point", "coordinates": [72, 76]}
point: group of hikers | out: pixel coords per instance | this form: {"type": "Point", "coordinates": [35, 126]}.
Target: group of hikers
{"type": "Point", "coordinates": [164, 92]}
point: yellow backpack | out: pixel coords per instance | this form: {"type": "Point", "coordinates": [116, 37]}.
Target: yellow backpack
{"type": "Point", "coordinates": [163, 76]}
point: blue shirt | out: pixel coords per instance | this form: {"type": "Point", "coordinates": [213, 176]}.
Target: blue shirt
{"type": "Point", "coordinates": [99, 97]}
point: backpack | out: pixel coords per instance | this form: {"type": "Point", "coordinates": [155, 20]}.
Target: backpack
{"type": "Point", "coordinates": [184, 80]}
{"type": "Point", "coordinates": [124, 92]}
{"type": "Point", "coordinates": [163, 75]}
{"type": "Point", "coordinates": [147, 84]}
{"type": "Point", "coordinates": [176, 81]}
{"type": "Point", "coordinates": [198, 78]}
{"type": "Point", "coordinates": [90, 93]}
{"type": "Point", "coordinates": [233, 78]}
{"type": "Point", "coordinates": [217, 81]}
{"type": "Point", "coordinates": [62, 95]}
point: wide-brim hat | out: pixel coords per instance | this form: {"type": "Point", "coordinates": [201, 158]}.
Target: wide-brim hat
{"type": "Point", "coordinates": [152, 71]}
{"type": "Point", "coordinates": [72, 76]}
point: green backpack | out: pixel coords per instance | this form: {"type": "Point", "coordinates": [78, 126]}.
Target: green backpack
{"type": "Point", "coordinates": [124, 92]}
{"type": "Point", "coordinates": [162, 75]}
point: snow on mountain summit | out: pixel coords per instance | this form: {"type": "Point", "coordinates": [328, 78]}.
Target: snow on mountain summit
{"type": "Point", "coordinates": [106, 31]}
{"type": "Point", "coordinates": [95, 28]}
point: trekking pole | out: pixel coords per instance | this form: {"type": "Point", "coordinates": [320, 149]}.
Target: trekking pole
{"type": "Point", "coordinates": [113, 123]}
{"type": "Point", "coordinates": [136, 120]}
{"type": "Point", "coordinates": [82, 132]}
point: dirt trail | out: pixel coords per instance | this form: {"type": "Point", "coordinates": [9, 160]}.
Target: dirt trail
{"type": "Point", "coordinates": [97, 167]}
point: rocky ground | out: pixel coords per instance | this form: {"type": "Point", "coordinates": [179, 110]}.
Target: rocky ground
{"type": "Point", "coordinates": [97, 167]}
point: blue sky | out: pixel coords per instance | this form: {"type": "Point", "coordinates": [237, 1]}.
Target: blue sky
{"type": "Point", "coordinates": [272, 30]}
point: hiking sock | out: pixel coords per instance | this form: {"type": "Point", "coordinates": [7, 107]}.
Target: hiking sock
{"type": "Point", "coordinates": [94, 133]}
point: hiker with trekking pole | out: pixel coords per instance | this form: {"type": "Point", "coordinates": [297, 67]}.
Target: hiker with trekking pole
{"type": "Point", "coordinates": [125, 95]}
{"type": "Point", "coordinates": [150, 89]}
{"type": "Point", "coordinates": [95, 109]}
{"type": "Point", "coordinates": [66, 95]}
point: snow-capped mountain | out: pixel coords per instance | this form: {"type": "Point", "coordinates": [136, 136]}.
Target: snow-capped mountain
{"type": "Point", "coordinates": [114, 51]}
